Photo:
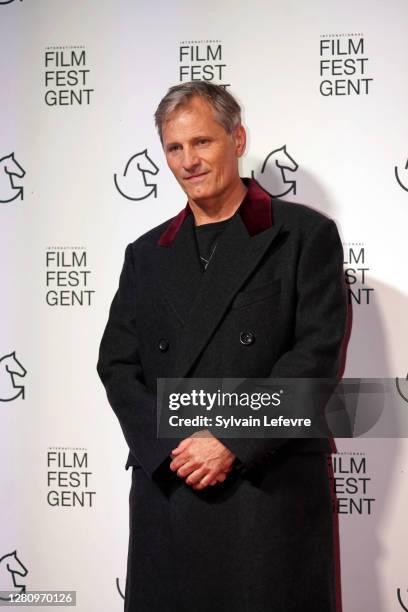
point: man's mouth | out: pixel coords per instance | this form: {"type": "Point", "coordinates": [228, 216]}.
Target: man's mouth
{"type": "Point", "coordinates": [196, 177]}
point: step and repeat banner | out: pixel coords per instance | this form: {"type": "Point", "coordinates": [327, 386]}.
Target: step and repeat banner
{"type": "Point", "coordinates": [324, 93]}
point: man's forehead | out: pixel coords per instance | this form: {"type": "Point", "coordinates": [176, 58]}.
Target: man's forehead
{"type": "Point", "coordinates": [189, 113]}
{"type": "Point", "coordinates": [195, 104]}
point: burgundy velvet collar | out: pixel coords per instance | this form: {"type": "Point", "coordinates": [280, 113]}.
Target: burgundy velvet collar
{"type": "Point", "coordinates": [255, 211]}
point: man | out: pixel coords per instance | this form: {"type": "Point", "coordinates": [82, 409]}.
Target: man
{"type": "Point", "coordinates": [237, 286]}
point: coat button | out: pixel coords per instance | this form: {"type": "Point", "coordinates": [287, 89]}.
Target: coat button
{"type": "Point", "coordinates": [246, 338]}
{"type": "Point", "coordinates": [163, 345]}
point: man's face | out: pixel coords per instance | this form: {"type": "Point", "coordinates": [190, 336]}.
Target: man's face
{"type": "Point", "coordinates": [202, 156]}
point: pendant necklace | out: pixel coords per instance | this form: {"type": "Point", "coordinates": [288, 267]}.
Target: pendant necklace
{"type": "Point", "coordinates": [207, 261]}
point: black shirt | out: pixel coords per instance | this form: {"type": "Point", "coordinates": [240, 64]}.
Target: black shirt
{"type": "Point", "coordinates": [207, 236]}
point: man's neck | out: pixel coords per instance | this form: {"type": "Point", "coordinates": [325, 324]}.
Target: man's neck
{"type": "Point", "coordinates": [218, 209]}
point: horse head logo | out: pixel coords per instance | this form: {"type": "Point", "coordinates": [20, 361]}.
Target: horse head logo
{"type": "Point", "coordinates": [402, 387]}
{"type": "Point", "coordinates": [136, 179]}
{"type": "Point", "coordinates": [401, 603]}
{"type": "Point", "coordinates": [400, 183]}
{"type": "Point", "coordinates": [273, 180]}
{"type": "Point", "coordinates": [9, 167]}
{"type": "Point", "coordinates": [119, 589]}
{"type": "Point", "coordinates": [10, 568]}
{"type": "Point", "coordinates": [10, 367]}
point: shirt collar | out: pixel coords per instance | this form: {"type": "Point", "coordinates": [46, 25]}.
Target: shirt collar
{"type": "Point", "coordinates": [255, 211]}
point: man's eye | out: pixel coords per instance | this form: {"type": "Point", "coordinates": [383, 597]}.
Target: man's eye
{"type": "Point", "coordinates": [173, 148]}
{"type": "Point", "coordinates": [203, 141]}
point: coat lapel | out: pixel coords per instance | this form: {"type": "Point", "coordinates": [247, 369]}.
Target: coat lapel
{"type": "Point", "coordinates": [236, 257]}
{"type": "Point", "coordinates": [180, 271]}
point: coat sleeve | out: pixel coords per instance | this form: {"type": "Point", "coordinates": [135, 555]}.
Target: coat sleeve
{"type": "Point", "coordinates": [120, 370]}
{"type": "Point", "coordinates": [319, 329]}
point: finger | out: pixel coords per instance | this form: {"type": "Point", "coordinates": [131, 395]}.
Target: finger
{"type": "Point", "coordinates": [221, 477]}
{"type": "Point", "coordinates": [217, 480]}
{"type": "Point", "coordinates": [187, 468]}
{"type": "Point", "coordinates": [176, 465]}
{"type": "Point", "coordinates": [204, 482]}
{"type": "Point", "coordinates": [181, 447]}
{"type": "Point", "coordinates": [196, 476]}
{"type": "Point", "coordinates": [179, 461]}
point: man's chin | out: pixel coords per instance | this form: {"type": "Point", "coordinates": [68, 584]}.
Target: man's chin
{"type": "Point", "coordinates": [199, 192]}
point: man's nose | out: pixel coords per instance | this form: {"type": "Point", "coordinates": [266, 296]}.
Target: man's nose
{"type": "Point", "coordinates": [190, 160]}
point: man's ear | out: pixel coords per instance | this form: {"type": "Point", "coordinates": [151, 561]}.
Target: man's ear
{"type": "Point", "coordinates": [239, 135]}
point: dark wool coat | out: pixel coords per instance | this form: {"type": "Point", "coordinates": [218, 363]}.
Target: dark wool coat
{"type": "Point", "coordinates": [262, 540]}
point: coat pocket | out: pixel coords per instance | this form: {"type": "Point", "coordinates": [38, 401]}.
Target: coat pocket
{"type": "Point", "coordinates": [251, 296]}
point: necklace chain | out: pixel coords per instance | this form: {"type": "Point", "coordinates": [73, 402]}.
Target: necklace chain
{"type": "Point", "coordinates": [207, 261]}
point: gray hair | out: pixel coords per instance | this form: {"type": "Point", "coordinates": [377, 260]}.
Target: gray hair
{"type": "Point", "coordinates": [227, 111]}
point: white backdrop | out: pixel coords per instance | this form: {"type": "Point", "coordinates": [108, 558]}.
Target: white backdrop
{"type": "Point", "coordinates": [324, 89]}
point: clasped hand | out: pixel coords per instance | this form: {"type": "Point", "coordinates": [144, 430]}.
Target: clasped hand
{"type": "Point", "coordinates": [202, 461]}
